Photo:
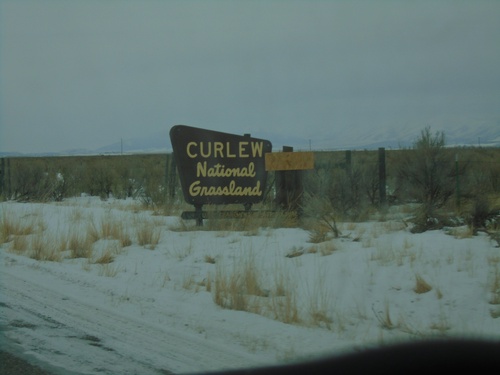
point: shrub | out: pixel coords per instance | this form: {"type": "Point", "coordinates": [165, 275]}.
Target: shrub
{"type": "Point", "coordinates": [427, 174]}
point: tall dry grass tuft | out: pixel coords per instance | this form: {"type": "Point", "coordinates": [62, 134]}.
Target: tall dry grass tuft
{"type": "Point", "coordinates": [11, 225]}
{"type": "Point", "coordinates": [235, 290]}
{"type": "Point", "coordinates": [326, 248]}
{"type": "Point", "coordinates": [461, 232]}
{"type": "Point", "coordinates": [319, 234]}
{"type": "Point", "coordinates": [384, 318]}
{"type": "Point", "coordinates": [80, 245]}
{"type": "Point", "coordinates": [227, 292]}
{"type": "Point", "coordinates": [148, 235]}
{"type": "Point", "coordinates": [93, 231]}
{"type": "Point", "coordinates": [283, 300]}
{"type": "Point", "coordinates": [109, 228]}
{"type": "Point", "coordinates": [124, 237]}
{"type": "Point", "coordinates": [494, 281]}
{"type": "Point", "coordinates": [76, 215]}
{"type": "Point", "coordinates": [284, 308]}
{"type": "Point", "coordinates": [421, 286]}
{"type": "Point", "coordinates": [242, 289]}
{"type": "Point", "coordinates": [108, 270]}
{"type": "Point", "coordinates": [43, 248]}
{"type": "Point", "coordinates": [208, 283]}
{"type": "Point", "coordinates": [19, 244]}
{"type": "Point", "coordinates": [105, 258]}
{"type": "Point", "coordinates": [319, 300]}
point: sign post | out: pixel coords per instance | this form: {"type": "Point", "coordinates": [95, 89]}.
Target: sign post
{"type": "Point", "coordinates": [288, 166]}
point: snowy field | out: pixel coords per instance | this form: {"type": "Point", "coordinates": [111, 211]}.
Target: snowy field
{"type": "Point", "coordinates": [91, 286]}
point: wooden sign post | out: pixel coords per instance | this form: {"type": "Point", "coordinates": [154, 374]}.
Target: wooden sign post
{"type": "Point", "coordinates": [288, 166]}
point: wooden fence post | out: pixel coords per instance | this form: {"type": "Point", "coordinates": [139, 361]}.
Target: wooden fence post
{"type": "Point", "coordinates": [289, 188]}
{"type": "Point", "coordinates": [2, 176]}
{"type": "Point", "coordinates": [348, 162]}
{"type": "Point", "coordinates": [171, 176]}
{"type": "Point", "coordinates": [382, 176]}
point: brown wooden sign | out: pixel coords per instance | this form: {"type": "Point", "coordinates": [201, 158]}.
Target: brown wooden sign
{"type": "Point", "coordinates": [219, 168]}
{"type": "Point", "coordinates": [289, 161]}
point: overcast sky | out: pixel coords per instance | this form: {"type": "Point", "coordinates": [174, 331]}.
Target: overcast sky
{"type": "Point", "coordinates": [84, 74]}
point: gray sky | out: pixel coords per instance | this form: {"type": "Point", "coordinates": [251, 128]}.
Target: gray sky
{"type": "Point", "coordinates": [83, 74]}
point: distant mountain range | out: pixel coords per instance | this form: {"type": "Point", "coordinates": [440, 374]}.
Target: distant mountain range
{"type": "Point", "coordinates": [484, 133]}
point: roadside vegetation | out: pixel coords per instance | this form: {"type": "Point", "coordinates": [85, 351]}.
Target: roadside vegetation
{"type": "Point", "coordinates": [435, 187]}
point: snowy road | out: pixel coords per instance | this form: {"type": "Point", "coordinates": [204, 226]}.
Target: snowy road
{"type": "Point", "coordinates": [84, 338]}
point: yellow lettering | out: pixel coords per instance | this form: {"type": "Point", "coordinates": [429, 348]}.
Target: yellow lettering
{"type": "Point", "coordinates": [243, 152]}
{"type": "Point", "coordinates": [229, 155]}
{"type": "Point", "coordinates": [188, 149]}
{"type": "Point", "coordinates": [227, 190]}
{"type": "Point", "coordinates": [220, 170]}
{"type": "Point", "coordinates": [218, 149]}
{"type": "Point", "coordinates": [201, 169]}
{"type": "Point", "coordinates": [257, 148]}
{"type": "Point", "coordinates": [223, 150]}
{"type": "Point", "coordinates": [194, 189]}
{"type": "Point", "coordinates": [205, 153]}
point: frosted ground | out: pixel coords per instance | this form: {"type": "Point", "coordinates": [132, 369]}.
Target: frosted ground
{"type": "Point", "coordinates": [91, 286]}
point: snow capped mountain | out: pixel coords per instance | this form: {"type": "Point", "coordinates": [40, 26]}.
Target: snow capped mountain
{"type": "Point", "coordinates": [484, 133]}
{"type": "Point", "coordinates": [459, 132]}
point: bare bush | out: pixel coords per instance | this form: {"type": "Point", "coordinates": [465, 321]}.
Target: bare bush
{"type": "Point", "coordinates": [427, 174]}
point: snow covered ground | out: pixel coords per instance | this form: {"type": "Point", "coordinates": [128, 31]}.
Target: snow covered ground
{"type": "Point", "coordinates": [188, 300]}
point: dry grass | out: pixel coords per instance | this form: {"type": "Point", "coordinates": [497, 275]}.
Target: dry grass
{"type": "Point", "coordinates": [495, 313]}
{"type": "Point", "coordinates": [384, 318]}
{"type": "Point", "coordinates": [327, 248]}
{"type": "Point", "coordinates": [319, 234]}
{"type": "Point", "coordinates": [284, 308]}
{"type": "Point", "coordinates": [461, 232]}
{"type": "Point", "coordinates": [76, 215]}
{"type": "Point", "coordinates": [109, 228]}
{"type": "Point", "coordinates": [19, 244]}
{"type": "Point", "coordinates": [124, 238]}
{"type": "Point", "coordinates": [421, 286]}
{"type": "Point", "coordinates": [319, 302]}
{"type": "Point", "coordinates": [494, 282]}
{"type": "Point", "coordinates": [227, 291]}
{"type": "Point", "coordinates": [283, 304]}
{"type": "Point", "coordinates": [108, 256]}
{"type": "Point", "coordinates": [80, 245]}
{"type": "Point", "coordinates": [108, 270]}
{"type": "Point", "coordinates": [235, 290]}
{"type": "Point", "coordinates": [242, 289]}
{"type": "Point", "coordinates": [324, 249]}
{"type": "Point", "coordinates": [148, 235]}
{"type": "Point", "coordinates": [43, 248]}
{"type": "Point", "coordinates": [392, 226]}
{"type": "Point", "coordinates": [386, 254]}
{"type": "Point", "coordinates": [183, 252]}
{"type": "Point", "coordinates": [165, 279]}
{"type": "Point", "coordinates": [442, 326]}
{"type": "Point", "coordinates": [295, 252]}
{"type": "Point", "coordinates": [12, 225]}
{"type": "Point", "coordinates": [208, 283]}
{"type": "Point", "coordinates": [188, 282]}
{"type": "Point", "coordinates": [210, 259]}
